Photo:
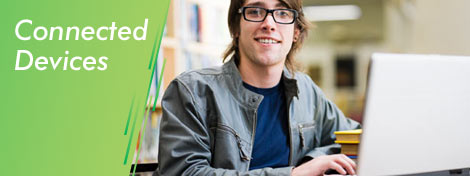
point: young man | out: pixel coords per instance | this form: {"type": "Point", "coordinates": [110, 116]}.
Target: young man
{"type": "Point", "coordinates": [254, 115]}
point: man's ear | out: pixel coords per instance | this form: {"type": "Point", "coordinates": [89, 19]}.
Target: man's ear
{"type": "Point", "coordinates": [236, 34]}
{"type": "Point", "coordinates": [296, 34]}
{"type": "Point", "coordinates": [235, 38]}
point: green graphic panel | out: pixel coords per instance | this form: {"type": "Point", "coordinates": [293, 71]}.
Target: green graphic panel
{"type": "Point", "coordinates": [72, 122]}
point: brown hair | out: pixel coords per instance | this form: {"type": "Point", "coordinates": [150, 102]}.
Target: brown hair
{"type": "Point", "coordinates": [301, 23]}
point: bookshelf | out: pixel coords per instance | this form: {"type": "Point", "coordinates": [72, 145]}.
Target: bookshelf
{"type": "Point", "coordinates": [196, 35]}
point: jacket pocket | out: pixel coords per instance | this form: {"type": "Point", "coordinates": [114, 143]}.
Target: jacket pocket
{"type": "Point", "coordinates": [306, 133]}
{"type": "Point", "coordinates": [240, 142]}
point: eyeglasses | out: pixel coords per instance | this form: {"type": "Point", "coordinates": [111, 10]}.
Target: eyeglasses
{"type": "Point", "coordinates": [258, 14]}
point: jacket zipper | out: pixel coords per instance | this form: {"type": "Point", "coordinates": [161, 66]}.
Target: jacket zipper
{"type": "Point", "coordinates": [253, 135]}
{"type": "Point", "coordinates": [301, 131]}
{"type": "Point", "coordinates": [290, 131]}
{"type": "Point", "coordinates": [302, 143]}
{"type": "Point", "coordinates": [244, 156]}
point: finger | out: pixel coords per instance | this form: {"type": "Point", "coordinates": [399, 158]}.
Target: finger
{"type": "Point", "coordinates": [349, 160]}
{"type": "Point", "coordinates": [337, 167]}
{"type": "Point", "coordinates": [345, 164]}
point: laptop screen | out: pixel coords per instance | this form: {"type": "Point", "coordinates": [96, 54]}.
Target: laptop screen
{"type": "Point", "coordinates": [417, 115]}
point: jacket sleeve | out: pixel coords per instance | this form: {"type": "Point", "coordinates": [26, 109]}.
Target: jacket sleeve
{"type": "Point", "coordinates": [184, 143]}
{"type": "Point", "coordinates": [330, 119]}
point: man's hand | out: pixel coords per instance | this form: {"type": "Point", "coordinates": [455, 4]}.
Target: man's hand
{"type": "Point", "coordinates": [321, 164]}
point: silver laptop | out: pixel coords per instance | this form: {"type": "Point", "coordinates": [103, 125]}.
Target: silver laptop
{"type": "Point", "coordinates": [417, 115]}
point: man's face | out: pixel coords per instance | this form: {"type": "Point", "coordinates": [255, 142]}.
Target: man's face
{"type": "Point", "coordinates": [265, 43]}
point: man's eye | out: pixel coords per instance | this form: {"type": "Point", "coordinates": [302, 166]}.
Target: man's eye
{"type": "Point", "coordinates": [284, 13]}
{"type": "Point", "coordinates": [254, 11]}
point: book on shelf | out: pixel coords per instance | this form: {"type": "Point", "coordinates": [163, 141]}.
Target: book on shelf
{"type": "Point", "coordinates": [349, 149]}
{"type": "Point", "coordinates": [155, 79]}
{"type": "Point", "coordinates": [349, 141]}
{"type": "Point", "coordinates": [349, 135]}
{"type": "Point", "coordinates": [194, 21]}
{"type": "Point", "coordinates": [149, 147]}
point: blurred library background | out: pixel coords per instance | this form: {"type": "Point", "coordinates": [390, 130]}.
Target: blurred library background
{"type": "Point", "coordinates": [336, 54]}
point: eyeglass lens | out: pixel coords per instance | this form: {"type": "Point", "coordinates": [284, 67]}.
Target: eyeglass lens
{"type": "Point", "coordinates": [259, 14]}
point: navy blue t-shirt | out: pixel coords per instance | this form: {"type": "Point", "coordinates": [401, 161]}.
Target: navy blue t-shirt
{"type": "Point", "coordinates": [271, 148]}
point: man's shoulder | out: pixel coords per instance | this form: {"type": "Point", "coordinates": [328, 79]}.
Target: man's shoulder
{"type": "Point", "coordinates": [300, 75]}
{"type": "Point", "coordinates": [303, 78]}
{"type": "Point", "coordinates": [200, 76]}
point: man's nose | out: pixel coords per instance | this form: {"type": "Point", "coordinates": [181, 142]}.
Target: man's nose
{"type": "Point", "coordinates": [269, 24]}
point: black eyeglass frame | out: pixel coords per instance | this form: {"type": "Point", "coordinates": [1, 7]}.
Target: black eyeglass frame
{"type": "Point", "coordinates": [268, 11]}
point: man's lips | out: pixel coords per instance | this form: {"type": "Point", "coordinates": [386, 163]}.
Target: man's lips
{"type": "Point", "coordinates": [267, 40]}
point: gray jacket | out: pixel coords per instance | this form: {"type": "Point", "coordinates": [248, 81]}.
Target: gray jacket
{"type": "Point", "coordinates": [209, 119]}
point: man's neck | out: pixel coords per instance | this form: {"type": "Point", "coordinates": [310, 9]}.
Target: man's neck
{"type": "Point", "coordinates": [260, 76]}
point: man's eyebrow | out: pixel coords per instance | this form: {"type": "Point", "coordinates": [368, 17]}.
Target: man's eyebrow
{"type": "Point", "coordinates": [262, 4]}
{"type": "Point", "coordinates": [257, 3]}
{"type": "Point", "coordinates": [280, 4]}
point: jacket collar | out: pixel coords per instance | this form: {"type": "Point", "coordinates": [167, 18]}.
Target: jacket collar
{"type": "Point", "coordinates": [235, 84]}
